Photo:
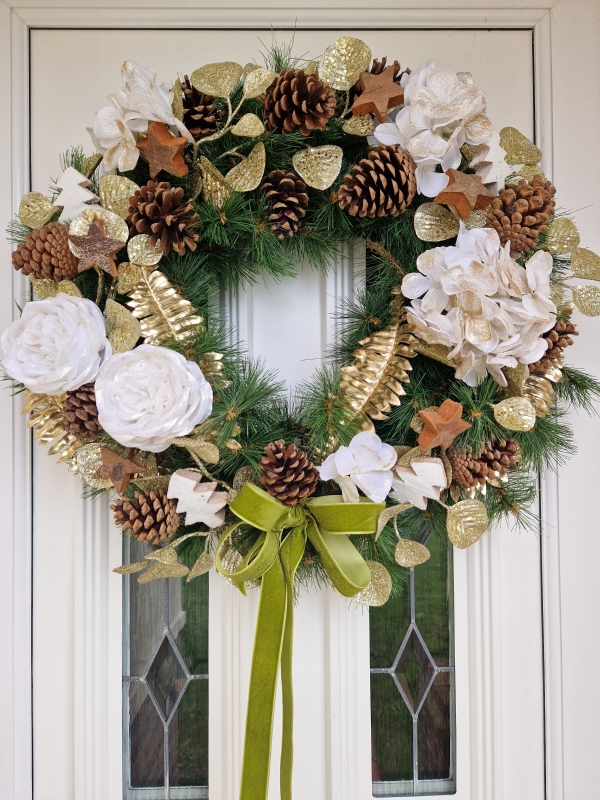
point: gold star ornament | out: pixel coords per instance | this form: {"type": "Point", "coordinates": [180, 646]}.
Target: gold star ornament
{"type": "Point", "coordinates": [379, 92]}
{"type": "Point", "coordinates": [163, 151]}
{"type": "Point", "coordinates": [96, 249]}
{"type": "Point", "coordinates": [465, 193]}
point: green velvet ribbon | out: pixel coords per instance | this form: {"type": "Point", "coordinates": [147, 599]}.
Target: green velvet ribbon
{"type": "Point", "coordinates": [326, 522]}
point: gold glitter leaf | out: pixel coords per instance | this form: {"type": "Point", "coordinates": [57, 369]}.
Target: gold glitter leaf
{"type": "Point", "coordinates": [163, 312]}
{"type": "Point", "coordinates": [206, 451]}
{"type": "Point", "coordinates": [114, 226]}
{"type": "Point", "coordinates": [562, 236]}
{"type": "Point", "coordinates": [142, 252]}
{"type": "Point", "coordinates": [312, 68]}
{"type": "Point", "coordinates": [129, 276]}
{"type": "Point", "coordinates": [35, 210]}
{"type": "Point", "coordinates": [411, 554]}
{"type": "Point", "coordinates": [91, 164]}
{"type": "Point", "coordinates": [249, 125]}
{"type": "Point", "coordinates": [439, 352]}
{"type": "Point", "coordinates": [217, 80]}
{"type": "Point", "coordinates": [476, 219]}
{"type": "Point", "coordinates": [585, 264]}
{"type": "Point", "coordinates": [177, 104]}
{"type": "Point", "coordinates": [165, 566]}
{"type": "Point", "coordinates": [529, 171]}
{"type": "Point", "coordinates": [115, 191]}
{"type": "Point", "coordinates": [435, 223]}
{"type": "Point", "coordinates": [47, 422]}
{"type": "Point", "coordinates": [515, 414]}
{"type": "Point", "coordinates": [380, 588]}
{"type": "Point", "coordinates": [130, 569]}
{"type": "Point", "coordinates": [123, 328]}
{"type": "Point", "coordinates": [245, 177]}
{"type": "Point", "coordinates": [44, 288]}
{"type": "Point", "coordinates": [389, 513]}
{"type": "Point", "coordinates": [202, 565]}
{"type": "Point", "coordinates": [250, 67]}
{"type": "Point", "coordinates": [587, 300]}
{"type": "Point", "coordinates": [319, 166]}
{"type": "Point", "coordinates": [152, 483]}
{"type": "Point", "coordinates": [258, 81]}
{"type": "Point", "coordinates": [215, 189]}
{"type": "Point", "coordinates": [88, 460]}
{"type": "Point", "coordinates": [343, 61]}
{"type": "Point", "coordinates": [519, 149]}
{"type": "Point", "coordinates": [466, 523]}
{"type": "Point", "coordinates": [515, 379]}
{"type": "Point", "coordinates": [362, 125]}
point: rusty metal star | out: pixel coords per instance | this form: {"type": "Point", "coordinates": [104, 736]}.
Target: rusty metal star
{"type": "Point", "coordinates": [97, 250]}
{"type": "Point", "coordinates": [117, 469]}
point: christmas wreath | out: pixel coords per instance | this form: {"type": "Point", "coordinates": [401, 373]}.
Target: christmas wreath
{"type": "Point", "coordinates": [443, 397]}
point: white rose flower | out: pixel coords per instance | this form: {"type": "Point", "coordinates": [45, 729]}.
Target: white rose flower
{"type": "Point", "coordinates": [366, 464]}
{"type": "Point", "coordinates": [57, 345]}
{"type": "Point", "coordinates": [149, 395]}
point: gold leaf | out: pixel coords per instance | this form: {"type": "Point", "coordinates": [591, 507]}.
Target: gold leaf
{"type": "Point", "coordinates": [202, 565]}
{"type": "Point", "coordinates": [165, 566]}
{"type": "Point", "coordinates": [380, 588]}
{"type": "Point", "coordinates": [129, 569]}
{"type": "Point", "coordinates": [206, 451]}
{"type": "Point", "coordinates": [44, 288]}
{"type": "Point", "coordinates": [47, 422]}
{"type": "Point", "coordinates": [372, 384]}
{"type": "Point", "coordinates": [125, 329]}
{"type": "Point", "coordinates": [466, 523]}
{"type": "Point", "coordinates": [115, 191]}
{"type": "Point", "coordinates": [257, 81]}
{"type": "Point", "coordinates": [585, 264]}
{"type": "Point", "coordinates": [343, 61]}
{"type": "Point", "coordinates": [476, 219]}
{"type": "Point", "coordinates": [163, 312]}
{"type": "Point", "coordinates": [312, 68]}
{"type": "Point", "coordinates": [142, 252]}
{"type": "Point", "coordinates": [515, 414]}
{"type": "Point", "coordinates": [529, 171]}
{"type": "Point", "coordinates": [129, 276]}
{"type": "Point", "coordinates": [562, 236]}
{"type": "Point", "coordinates": [540, 393]}
{"type": "Point", "coordinates": [211, 365]}
{"type": "Point", "coordinates": [587, 299]}
{"type": "Point", "coordinates": [389, 513]}
{"type": "Point", "coordinates": [411, 554]}
{"type": "Point", "coordinates": [439, 352]}
{"type": "Point", "coordinates": [215, 189]}
{"type": "Point", "coordinates": [249, 125]}
{"type": "Point", "coordinates": [250, 67]}
{"type": "Point", "coordinates": [114, 226]}
{"type": "Point", "coordinates": [515, 379]}
{"type": "Point", "coordinates": [152, 483]}
{"type": "Point", "coordinates": [435, 223]}
{"type": "Point", "coordinates": [245, 177]}
{"type": "Point", "coordinates": [519, 149]}
{"type": "Point", "coordinates": [233, 444]}
{"type": "Point", "coordinates": [362, 125]}
{"type": "Point", "coordinates": [91, 164]}
{"type": "Point", "coordinates": [319, 166]}
{"type": "Point", "coordinates": [35, 210]}
{"type": "Point", "coordinates": [177, 104]}
{"type": "Point", "coordinates": [217, 80]}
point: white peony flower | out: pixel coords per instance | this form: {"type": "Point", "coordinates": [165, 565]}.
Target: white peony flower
{"type": "Point", "coordinates": [366, 464]}
{"type": "Point", "coordinates": [57, 345]}
{"type": "Point", "coordinates": [149, 395]}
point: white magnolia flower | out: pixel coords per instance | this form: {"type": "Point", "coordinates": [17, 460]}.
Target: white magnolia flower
{"type": "Point", "coordinates": [442, 110]}
{"type": "Point", "coordinates": [149, 395]}
{"type": "Point", "coordinates": [57, 345]}
{"type": "Point", "coordinates": [366, 464]}
{"type": "Point", "coordinates": [112, 135]}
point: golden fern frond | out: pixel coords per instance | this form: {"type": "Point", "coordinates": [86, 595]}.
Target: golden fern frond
{"type": "Point", "coordinates": [162, 311]}
{"type": "Point", "coordinates": [372, 384]}
{"type": "Point", "coordinates": [47, 422]}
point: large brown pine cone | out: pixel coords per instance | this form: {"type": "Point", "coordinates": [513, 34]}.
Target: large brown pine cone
{"type": "Point", "coordinates": [493, 461]}
{"type": "Point", "coordinates": [199, 110]}
{"type": "Point", "coordinates": [161, 211]}
{"type": "Point", "coordinates": [519, 215]}
{"type": "Point", "coordinates": [286, 194]}
{"type": "Point", "coordinates": [287, 474]}
{"type": "Point", "coordinates": [80, 413]}
{"type": "Point", "coordinates": [45, 254]}
{"type": "Point", "coordinates": [381, 185]}
{"type": "Point", "coordinates": [151, 517]}
{"type": "Point", "coordinates": [557, 339]}
{"type": "Point", "coordinates": [297, 100]}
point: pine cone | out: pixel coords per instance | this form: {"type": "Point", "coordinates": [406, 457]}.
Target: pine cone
{"type": "Point", "coordinates": [286, 194]}
{"type": "Point", "coordinates": [80, 413]}
{"type": "Point", "coordinates": [519, 215]}
{"type": "Point", "coordinates": [557, 339]}
{"type": "Point", "coordinates": [160, 210]}
{"type": "Point", "coordinates": [45, 254]}
{"type": "Point", "coordinates": [297, 100]}
{"type": "Point", "coordinates": [151, 517]}
{"type": "Point", "coordinates": [381, 185]}
{"type": "Point", "coordinates": [377, 68]}
{"type": "Point", "coordinates": [493, 461]}
{"type": "Point", "coordinates": [199, 111]}
{"type": "Point", "coordinates": [287, 473]}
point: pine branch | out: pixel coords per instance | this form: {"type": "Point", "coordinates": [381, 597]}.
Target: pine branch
{"type": "Point", "coordinates": [579, 389]}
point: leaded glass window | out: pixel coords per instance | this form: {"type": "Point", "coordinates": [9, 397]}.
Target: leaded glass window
{"type": "Point", "coordinates": [412, 684]}
{"type": "Point", "coordinates": [165, 686]}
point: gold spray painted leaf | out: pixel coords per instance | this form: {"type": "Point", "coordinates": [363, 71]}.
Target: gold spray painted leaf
{"type": "Point", "coordinates": [47, 422]}
{"type": "Point", "coordinates": [411, 554]}
{"type": "Point", "coordinates": [35, 210]}
{"type": "Point", "coordinates": [343, 61]}
{"type": "Point", "coordinates": [249, 125]}
{"type": "Point", "coordinates": [245, 177]}
{"type": "Point", "coordinates": [466, 523]}
{"type": "Point", "coordinates": [515, 414]}
{"type": "Point", "coordinates": [217, 80]}
{"type": "Point", "coordinates": [362, 125]}
{"type": "Point", "coordinates": [123, 329]}
{"type": "Point", "coordinates": [142, 252]}
{"type": "Point", "coordinates": [435, 223]}
{"type": "Point", "coordinates": [319, 166]}
{"type": "Point", "coordinates": [540, 393]}
{"type": "Point", "coordinates": [587, 299]}
{"type": "Point", "coordinates": [380, 588]}
{"type": "Point", "coordinates": [44, 288]}
{"type": "Point", "coordinates": [585, 264]}
{"type": "Point", "coordinates": [115, 191]}
{"type": "Point", "coordinates": [562, 236]}
{"type": "Point", "coordinates": [258, 81]}
{"type": "Point", "coordinates": [519, 149]}
{"type": "Point", "coordinates": [215, 189]}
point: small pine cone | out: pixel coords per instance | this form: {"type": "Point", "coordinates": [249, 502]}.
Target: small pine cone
{"type": "Point", "coordinates": [160, 210]}
{"type": "Point", "coordinates": [287, 474]}
{"type": "Point", "coordinates": [80, 413]}
{"type": "Point", "coordinates": [557, 339]}
{"type": "Point", "coordinates": [45, 253]}
{"type": "Point", "coordinates": [297, 100]}
{"type": "Point", "coordinates": [199, 110]}
{"type": "Point", "coordinates": [286, 194]}
{"type": "Point", "coordinates": [494, 460]}
{"type": "Point", "coordinates": [499, 455]}
{"type": "Point", "coordinates": [519, 215]}
{"type": "Point", "coordinates": [151, 517]}
{"type": "Point", "coordinates": [465, 470]}
{"type": "Point", "coordinates": [381, 185]}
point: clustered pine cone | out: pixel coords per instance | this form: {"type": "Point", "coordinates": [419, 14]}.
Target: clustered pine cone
{"type": "Point", "coordinates": [199, 110]}
{"type": "Point", "coordinates": [151, 517]}
{"type": "Point", "coordinates": [297, 100]}
{"type": "Point", "coordinates": [493, 461]}
{"type": "Point", "coordinates": [286, 194]}
{"type": "Point", "coordinates": [557, 339]}
{"type": "Point", "coordinates": [45, 254]}
{"type": "Point", "coordinates": [287, 474]}
{"type": "Point", "coordinates": [519, 215]}
{"type": "Point", "coordinates": [381, 185]}
{"type": "Point", "coordinates": [80, 413]}
{"type": "Point", "coordinates": [160, 211]}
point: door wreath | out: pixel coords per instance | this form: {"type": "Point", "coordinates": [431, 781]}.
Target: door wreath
{"type": "Point", "coordinates": [442, 398]}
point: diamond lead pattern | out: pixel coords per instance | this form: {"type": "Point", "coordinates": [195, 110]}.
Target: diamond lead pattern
{"type": "Point", "coordinates": [166, 678]}
{"type": "Point", "coordinates": [414, 670]}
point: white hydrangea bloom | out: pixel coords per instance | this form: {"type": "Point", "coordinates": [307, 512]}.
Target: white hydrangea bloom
{"type": "Point", "coordinates": [366, 464]}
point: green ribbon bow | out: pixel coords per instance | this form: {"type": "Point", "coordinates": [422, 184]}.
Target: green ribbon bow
{"type": "Point", "coordinates": [326, 522]}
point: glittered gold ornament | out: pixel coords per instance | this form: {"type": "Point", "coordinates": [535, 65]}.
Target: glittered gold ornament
{"type": "Point", "coordinates": [361, 125]}
{"type": "Point", "coordinates": [562, 236]}
{"type": "Point", "coordinates": [215, 189]}
{"type": "Point", "coordinates": [115, 191]}
{"type": "Point", "coordinates": [203, 564]}
{"type": "Point", "coordinates": [312, 68]}
{"type": "Point", "coordinates": [113, 227]}
{"type": "Point", "coordinates": [435, 223]}
{"type": "Point", "coordinates": [246, 176]}
{"type": "Point", "coordinates": [35, 210]}
{"type": "Point", "coordinates": [378, 591]}
{"type": "Point", "coordinates": [142, 252]}
{"type": "Point", "coordinates": [343, 61]}
{"type": "Point", "coordinates": [46, 288]}
{"type": "Point", "coordinates": [319, 166]}
{"type": "Point", "coordinates": [515, 414]}
{"type": "Point", "coordinates": [47, 421]}
{"type": "Point", "coordinates": [519, 149]}
{"type": "Point", "coordinates": [249, 125]}
{"type": "Point", "coordinates": [410, 554]}
{"type": "Point", "coordinates": [585, 264]}
{"type": "Point", "coordinates": [217, 80]}
{"type": "Point", "coordinates": [123, 329]}
{"type": "Point", "coordinates": [476, 219]}
{"type": "Point", "coordinates": [129, 276]}
{"type": "Point", "coordinates": [258, 81]}
{"type": "Point", "coordinates": [587, 300]}
{"type": "Point", "coordinates": [88, 460]}
{"type": "Point", "coordinates": [466, 523]}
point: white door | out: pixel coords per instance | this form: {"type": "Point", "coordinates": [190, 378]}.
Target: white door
{"type": "Point", "coordinates": [77, 602]}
